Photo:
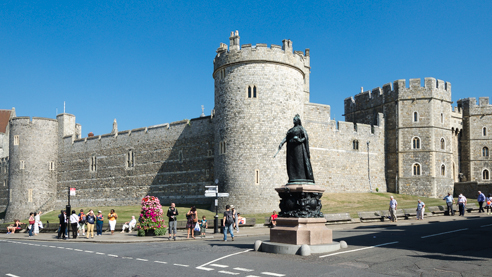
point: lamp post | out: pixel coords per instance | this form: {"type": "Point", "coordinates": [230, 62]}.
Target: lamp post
{"type": "Point", "coordinates": [369, 167]}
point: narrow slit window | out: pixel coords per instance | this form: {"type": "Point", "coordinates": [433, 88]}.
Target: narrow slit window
{"type": "Point", "coordinates": [485, 151]}
{"type": "Point", "coordinates": [52, 166]}
{"type": "Point", "coordinates": [484, 131]}
{"type": "Point", "coordinates": [416, 143]}
{"type": "Point", "coordinates": [16, 140]}
{"type": "Point", "coordinates": [180, 156]}
{"type": "Point", "coordinates": [222, 148]}
{"type": "Point", "coordinates": [355, 145]}
{"type": "Point", "coordinates": [443, 144]}
{"type": "Point", "coordinates": [130, 159]}
{"type": "Point", "coordinates": [443, 170]}
{"type": "Point", "coordinates": [416, 169]}
{"type": "Point", "coordinates": [93, 166]}
{"type": "Point", "coordinates": [249, 91]}
{"type": "Point", "coordinates": [254, 91]}
{"type": "Point", "coordinates": [442, 118]}
{"type": "Point", "coordinates": [415, 117]}
{"type": "Point", "coordinates": [22, 165]}
{"type": "Point", "coordinates": [257, 177]}
{"type": "Point", "coordinates": [485, 174]}
{"type": "Point", "coordinates": [29, 195]}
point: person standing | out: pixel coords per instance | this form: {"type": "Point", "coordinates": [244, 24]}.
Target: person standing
{"type": "Point", "coordinates": [37, 221]}
{"type": "Point", "coordinates": [74, 222]}
{"type": "Point", "coordinates": [172, 213]}
{"type": "Point", "coordinates": [420, 210]}
{"type": "Point", "coordinates": [203, 226]}
{"type": "Point", "coordinates": [227, 222]}
{"type": "Point", "coordinates": [462, 204]}
{"type": "Point", "coordinates": [63, 224]}
{"type": "Point", "coordinates": [31, 224]}
{"type": "Point", "coordinates": [489, 203]}
{"type": "Point", "coordinates": [449, 202]}
{"type": "Point", "coordinates": [392, 209]}
{"type": "Point", "coordinates": [481, 199]}
{"type": "Point", "coordinates": [91, 219]}
{"type": "Point", "coordinates": [82, 221]}
{"type": "Point", "coordinates": [234, 213]}
{"type": "Point", "coordinates": [192, 220]}
{"type": "Point", "coordinates": [112, 217]}
{"type": "Point", "coordinates": [99, 223]}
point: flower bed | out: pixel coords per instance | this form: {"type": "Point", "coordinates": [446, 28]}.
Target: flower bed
{"type": "Point", "coordinates": [151, 219]}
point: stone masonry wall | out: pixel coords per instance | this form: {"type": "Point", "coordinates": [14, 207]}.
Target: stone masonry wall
{"type": "Point", "coordinates": [172, 161]}
{"type": "Point", "coordinates": [4, 183]}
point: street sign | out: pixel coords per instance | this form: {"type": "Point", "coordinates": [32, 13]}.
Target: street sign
{"type": "Point", "coordinates": [210, 194]}
{"type": "Point", "coordinates": [223, 194]}
{"type": "Point", "coordinates": [212, 188]}
{"type": "Point", "coordinates": [72, 191]}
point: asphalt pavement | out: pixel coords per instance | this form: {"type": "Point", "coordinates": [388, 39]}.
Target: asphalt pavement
{"type": "Point", "coordinates": [442, 246]}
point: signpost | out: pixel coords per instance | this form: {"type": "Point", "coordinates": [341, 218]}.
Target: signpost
{"type": "Point", "coordinates": [213, 191]}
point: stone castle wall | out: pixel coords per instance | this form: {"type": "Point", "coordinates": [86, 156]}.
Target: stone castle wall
{"type": "Point", "coordinates": [476, 117]}
{"type": "Point", "coordinates": [4, 183]}
{"type": "Point", "coordinates": [172, 161]}
{"type": "Point", "coordinates": [337, 166]}
{"type": "Point", "coordinates": [33, 162]}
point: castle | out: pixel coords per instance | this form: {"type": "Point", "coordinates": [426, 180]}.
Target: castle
{"type": "Point", "coordinates": [398, 139]}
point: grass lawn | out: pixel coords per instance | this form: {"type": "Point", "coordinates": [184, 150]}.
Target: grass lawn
{"type": "Point", "coordinates": [332, 203]}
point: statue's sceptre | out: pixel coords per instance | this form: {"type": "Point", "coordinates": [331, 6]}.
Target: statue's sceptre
{"type": "Point", "coordinates": [280, 146]}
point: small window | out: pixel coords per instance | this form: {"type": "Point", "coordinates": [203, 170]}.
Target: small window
{"type": "Point", "coordinates": [254, 91]}
{"type": "Point", "coordinates": [130, 159]}
{"type": "Point", "coordinates": [485, 152]}
{"type": "Point", "coordinates": [249, 92]}
{"type": "Point", "coordinates": [207, 173]}
{"type": "Point", "coordinates": [29, 195]}
{"type": "Point", "coordinates": [52, 166]}
{"type": "Point", "coordinates": [443, 170]}
{"type": "Point", "coordinates": [416, 143]}
{"type": "Point", "coordinates": [16, 140]}
{"type": "Point", "coordinates": [485, 174]}
{"type": "Point", "coordinates": [416, 169]}
{"type": "Point", "coordinates": [180, 156]}
{"type": "Point", "coordinates": [415, 117]}
{"type": "Point", "coordinates": [443, 144]}
{"type": "Point", "coordinates": [93, 166]}
{"type": "Point", "coordinates": [209, 153]}
{"type": "Point", "coordinates": [442, 118]}
{"type": "Point", "coordinates": [355, 144]}
{"type": "Point", "coordinates": [222, 148]}
{"type": "Point", "coordinates": [257, 177]}
{"type": "Point", "coordinates": [22, 165]}
{"type": "Point", "coordinates": [484, 131]}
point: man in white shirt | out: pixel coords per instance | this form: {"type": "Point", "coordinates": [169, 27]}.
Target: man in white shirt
{"type": "Point", "coordinates": [462, 201]}
{"type": "Point", "coordinates": [129, 225]}
{"type": "Point", "coordinates": [392, 209]}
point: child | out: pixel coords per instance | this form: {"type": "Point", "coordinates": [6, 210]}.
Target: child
{"type": "Point", "coordinates": [203, 226]}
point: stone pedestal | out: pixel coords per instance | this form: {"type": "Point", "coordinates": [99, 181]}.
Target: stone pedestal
{"type": "Point", "coordinates": [298, 231]}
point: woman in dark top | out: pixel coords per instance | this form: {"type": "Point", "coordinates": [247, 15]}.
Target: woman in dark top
{"type": "Point", "coordinates": [191, 220]}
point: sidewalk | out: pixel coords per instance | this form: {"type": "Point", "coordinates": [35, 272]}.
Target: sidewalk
{"type": "Point", "coordinates": [243, 232]}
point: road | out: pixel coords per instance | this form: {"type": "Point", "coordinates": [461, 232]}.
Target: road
{"type": "Point", "coordinates": [451, 248]}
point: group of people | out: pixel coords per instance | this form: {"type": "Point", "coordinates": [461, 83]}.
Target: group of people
{"type": "Point", "coordinates": [462, 202]}
{"type": "Point", "coordinates": [34, 226]}
{"type": "Point", "coordinates": [81, 221]}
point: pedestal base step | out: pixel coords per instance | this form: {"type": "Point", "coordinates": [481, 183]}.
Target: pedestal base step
{"type": "Point", "coordinates": [291, 249]}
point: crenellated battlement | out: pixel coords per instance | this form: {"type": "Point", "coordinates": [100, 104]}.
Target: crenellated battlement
{"type": "Point", "coordinates": [432, 89]}
{"type": "Point", "coordinates": [260, 52]}
{"type": "Point", "coordinates": [28, 120]}
{"type": "Point", "coordinates": [470, 106]}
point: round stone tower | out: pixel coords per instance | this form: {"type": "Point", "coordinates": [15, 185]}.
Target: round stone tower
{"type": "Point", "coordinates": [258, 91]}
{"type": "Point", "coordinates": [33, 157]}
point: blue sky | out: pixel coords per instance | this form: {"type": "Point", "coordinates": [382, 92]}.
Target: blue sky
{"type": "Point", "coordinates": [151, 62]}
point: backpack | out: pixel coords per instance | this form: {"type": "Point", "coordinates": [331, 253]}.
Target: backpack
{"type": "Point", "coordinates": [229, 218]}
{"type": "Point", "coordinates": [82, 218]}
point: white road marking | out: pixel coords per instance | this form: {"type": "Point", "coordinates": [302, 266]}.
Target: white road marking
{"type": "Point", "coordinates": [129, 258]}
{"type": "Point", "coordinates": [99, 253]}
{"type": "Point", "coordinates": [30, 244]}
{"type": "Point", "coordinates": [78, 250]}
{"type": "Point", "coordinates": [205, 268]}
{"type": "Point", "coordinates": [243, 269]}
{"type": "Point", "coordinates": [225, 257]}
{"type": "Point", "coordinates": [228, 272]}
{"type": "Point", "coordinates": [358, 249]}
{"type": "Point", "coordinates": [11, 275]}
{"type": "Point", "coordinates": [69, 248]}
{"type": "Point", "coordinates": [89, 251]}
{"type": "Point", "coordinates": [111, 255]}
{"type": "Point", "coordinates": [143, 260]}
{"type": "Point", "coordinates": [219, 265]}
{"type": "Point", "coordinates": [45, 245]}
{"type": "Point", "coordinates": [61, 247]}
{"type": "Point", "coordinates": [160, 262]}
{"type": "Point", "coordinates": [273, 274]}
{"type": "Point", "coordinates": [252, 276]}
{"type": "Point", "coordinates": [183, 265]}
{"type": "Point", "coordinates": [52, 246]}
{"type": "Point", "coordinates": [486, 225]}
{"type": "Point", "coordinates": [443, 233]}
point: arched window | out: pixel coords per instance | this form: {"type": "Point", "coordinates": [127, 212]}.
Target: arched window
{"type": "Point", "coordinates": [443, 144]}
{"type": "Point", "coordinates": [443, 170]}
{"type": "Point", "coordinates": [415, 117]}
{"type": "Point", "coordinates": [485, 174]}
{"type": "Point", "coordinates": [416, 143]}
{"type": "Point", "coordinates": [484, 131]}
{"type": "Point", "coordinates": [249, 91]}
{"type": "Point", "coordinates": [254, 92]}
{"type": "Point", "coordinates": [416, 169]}
{"type": "Point", "coordinates": [355, 144]}
{"type": "Point", "coordinates": [485, 152]}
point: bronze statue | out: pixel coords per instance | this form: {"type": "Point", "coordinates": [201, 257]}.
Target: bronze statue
{"type": "Point", "coordinates": [298, 158]}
